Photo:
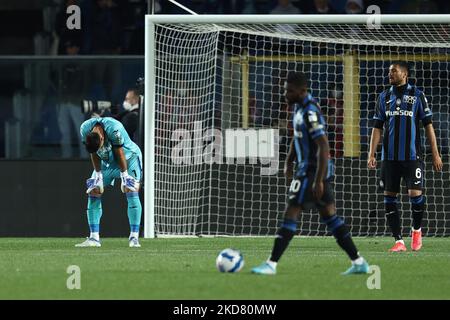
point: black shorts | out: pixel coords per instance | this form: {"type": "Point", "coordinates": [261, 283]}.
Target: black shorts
{"type": "Point", "coordinates": [392, 172]}
{"type": "Point", "coordinates": [300, 193]}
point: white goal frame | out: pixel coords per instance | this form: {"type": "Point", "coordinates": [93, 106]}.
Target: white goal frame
{"type": "Point", "coordinates": [152, 20]}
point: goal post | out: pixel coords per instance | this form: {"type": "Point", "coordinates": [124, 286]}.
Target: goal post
{"type": "Point", "coordinates": [217, 129]}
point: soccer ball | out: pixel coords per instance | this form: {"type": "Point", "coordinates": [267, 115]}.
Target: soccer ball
{"type": "Point", "coordinates": [229, 260]}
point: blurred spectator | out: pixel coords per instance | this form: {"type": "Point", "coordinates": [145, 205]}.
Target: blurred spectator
{"type": "Point", "coordinates": [134, 27]}
{"type": "Point", "coordinates": [130, 116]}
{"type": "Point", "coordinates": [354, 7]}
{"type": "Point", "coordinates": [105, 28]}
{"type": "Point", "coordinates": [70, 117]}
{"type": "Point", "coordinates": [229, 6]}
{"type": "Point", "coordinates": [285, 7]}
{"type": "Point", "coordinates": [322, 7]}
{"type": "Point", "coordinates": [248, 7]}
{"type": "Point", "coordinates": [157, 7]}
{"type": "Point", "coordinates": [420, 6]}
{"type": "Point", "coordinates": [63, 34]}
{"type": "Point", "coordinates": [103, 35]}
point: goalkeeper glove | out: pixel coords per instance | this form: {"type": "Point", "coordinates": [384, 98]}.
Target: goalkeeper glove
{"type": "Point", "coordinates": [96, 182]}
{"type": "Point", "coordinates": [128, 182]}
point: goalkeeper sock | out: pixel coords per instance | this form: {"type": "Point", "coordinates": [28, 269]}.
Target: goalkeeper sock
{"type": "Point", "coordinates": [393, 217]}
{"type": "Point", "coordinates": [283, 237]}
{"type": "Point", "coordinates": [94, 213]}
{"type": "Point", "coordinates": [134, 213]}
{"type": "Point", "coordinates": [418, 208]}
{"type": "Point", "coordinates": [340, 231]}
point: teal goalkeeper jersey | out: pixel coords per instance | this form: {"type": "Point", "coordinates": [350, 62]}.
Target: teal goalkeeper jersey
{"type": "Point", "coordinates": [116, 135]}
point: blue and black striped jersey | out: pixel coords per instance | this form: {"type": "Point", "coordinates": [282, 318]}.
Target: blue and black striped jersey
{"type": "Point", "coordinates": [399, 111]}
{"type": "Point", "coordinates": [308, 124]}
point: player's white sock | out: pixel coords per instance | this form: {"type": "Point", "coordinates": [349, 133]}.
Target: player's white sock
{"type": "Point", "coordinates": [400, 241]}
{"type": "Point", "coordinates": [134, 235]}
{"type": "Point", "coordinates": [358, 261]}
{"type": "Point", "coordinates": [417, 229]}
{"type": "Point", "coordinates": [95, 235]}
{"type": "Point", "coordinates": [272, 264]}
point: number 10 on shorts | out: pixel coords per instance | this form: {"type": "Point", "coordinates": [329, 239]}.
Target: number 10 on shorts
{"type": "Point", "coordinates": [294, 188]}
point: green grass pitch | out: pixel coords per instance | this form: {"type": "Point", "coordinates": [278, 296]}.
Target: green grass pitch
{"type": "Point", "coordinates": [36, 268]}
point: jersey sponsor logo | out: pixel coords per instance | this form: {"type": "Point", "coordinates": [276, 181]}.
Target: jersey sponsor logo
{"type": "Point", "coordinates": [409, 99]}
{"type": "Point", "coordinates": [404, 113]}
{"type": "Point", "coordinates": [103, 153]}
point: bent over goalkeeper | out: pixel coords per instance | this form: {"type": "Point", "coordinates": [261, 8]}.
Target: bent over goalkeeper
{"type": "Point", "coordinates": [114, 156]}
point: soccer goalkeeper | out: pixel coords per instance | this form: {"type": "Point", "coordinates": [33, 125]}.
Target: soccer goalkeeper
{"type": "Point", "coordinates": [114, 156]}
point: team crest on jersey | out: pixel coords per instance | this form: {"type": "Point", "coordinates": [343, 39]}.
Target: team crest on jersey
{"type": "Point", "coordinates": [398, 102]}
{"type": "Point", "coordinates": [298, 119]}
{"type": "Point", "coordinates": [312, 116]}
{"type": "Point", "coordinates": [409, 99]}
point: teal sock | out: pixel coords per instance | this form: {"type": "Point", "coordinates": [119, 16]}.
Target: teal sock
{"type": "Point", "coordinates": [134, 211]}
{"type": "Point", "coordinates": [94, 212]}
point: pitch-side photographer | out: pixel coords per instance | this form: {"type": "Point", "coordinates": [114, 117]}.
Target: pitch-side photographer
{"type": "Point", "coordinates": [130, 115]}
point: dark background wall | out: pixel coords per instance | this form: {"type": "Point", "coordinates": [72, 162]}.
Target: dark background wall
{"type": "Point", "coordinates": [48, 199]}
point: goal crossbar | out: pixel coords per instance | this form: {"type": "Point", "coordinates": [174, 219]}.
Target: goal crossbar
{"type": "Point", "coordinates": [299, 19]}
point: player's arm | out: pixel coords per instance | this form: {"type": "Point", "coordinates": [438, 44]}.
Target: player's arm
{"type": "Point", "coordinates": [437, 161]}
{"type": "Point", "coordinates": [323, 150]}
{"type": "Point", "coordinates": [289, 164]}
{"type": "Point", "coordinates": [95, 183]}
{"type": "Point", "coordinates": [377, 129]}
{"type": "Point", "coordinates": [119, 155]}
{"type": "Point", "coordinates": [316, 130]}
{"type": "Point", "coordinates": [96, 162]}
{"type": "Point", "coordinates": [128, 183]}
{"type": "Point", "coordinates": [375, 139]}
{"type": "Point", "coordinates": [425, 115]}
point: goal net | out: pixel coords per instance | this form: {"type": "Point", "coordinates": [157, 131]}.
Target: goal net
{"type": "Point", "coordinates": [218, 129]}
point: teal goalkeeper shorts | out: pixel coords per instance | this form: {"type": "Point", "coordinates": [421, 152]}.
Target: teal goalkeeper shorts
{"type": "Point", "coordinates": [110, 173]}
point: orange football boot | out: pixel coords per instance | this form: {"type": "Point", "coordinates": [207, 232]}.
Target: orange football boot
{"type": "Point", "coordinates": [398, 246]}
{"type": "Point", "coordinates": [416, 243]}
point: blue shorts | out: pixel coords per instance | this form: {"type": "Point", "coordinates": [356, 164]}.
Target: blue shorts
{"type": "Point", "coordinates": [110, 173]}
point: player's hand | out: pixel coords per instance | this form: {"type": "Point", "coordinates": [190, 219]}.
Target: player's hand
{"type": "Point", "coordinates": [317, 189]}
{"type": "Point", "coordinates": [288, 170]}
{"type": "Point", "coordinates": [437, 162]}
{"type": "Point", "coordinates": [128, 182]}
{"type": "Point", "coordinates": [96, 182]}
{"type": "Point", "coordinates": [372, 162]}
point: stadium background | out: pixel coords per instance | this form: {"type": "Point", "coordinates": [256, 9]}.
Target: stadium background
{"type": "Point", "coordinates": [45, 190]}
